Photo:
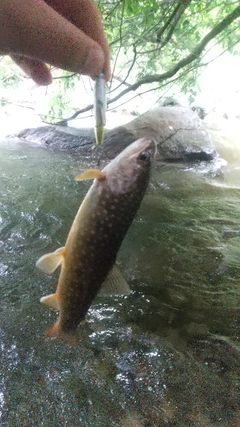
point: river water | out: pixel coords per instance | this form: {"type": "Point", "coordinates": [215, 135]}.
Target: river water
{"type": "Point", "coordinates": [168, 354]}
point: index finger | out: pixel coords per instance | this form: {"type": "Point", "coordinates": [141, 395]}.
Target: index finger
{"type": "Point", "coordinates": [85, 16]}
{"type": "Point", "coordinates": [34, 29]}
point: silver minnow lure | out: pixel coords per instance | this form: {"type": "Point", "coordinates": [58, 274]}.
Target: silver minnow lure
{"type": "Point", "coordinates": [100, 106]}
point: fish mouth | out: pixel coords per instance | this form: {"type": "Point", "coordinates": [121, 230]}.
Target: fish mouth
{"type": "Point", "coordinates": [148, 145]}
{"type": "Point", "coordinates": [137, 147]}
{"type": "Point", "coordinates": [133, 162]}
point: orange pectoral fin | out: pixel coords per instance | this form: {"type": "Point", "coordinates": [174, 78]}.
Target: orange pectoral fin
{"type": "Point", "coordinates": [90, 174]}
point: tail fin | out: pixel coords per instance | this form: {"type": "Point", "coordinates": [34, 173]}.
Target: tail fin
{"type": "Point", "coordinates": [55, 331]}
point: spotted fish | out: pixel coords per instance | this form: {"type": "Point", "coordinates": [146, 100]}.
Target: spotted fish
{"type": "Point", "coordinates": [88, 258]}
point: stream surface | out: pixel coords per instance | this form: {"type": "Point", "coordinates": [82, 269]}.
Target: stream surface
{"type": "Point", "coordinates": [168, 354]}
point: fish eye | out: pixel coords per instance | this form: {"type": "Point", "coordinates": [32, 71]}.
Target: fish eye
{"type": "Point", "coordinates": [144, 156]}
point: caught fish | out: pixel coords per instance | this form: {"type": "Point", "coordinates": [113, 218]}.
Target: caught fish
{"type": "Point", "coordinates": [88, 258]}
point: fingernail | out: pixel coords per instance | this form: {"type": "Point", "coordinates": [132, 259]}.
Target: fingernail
{"type": "Point", "coordinates": [94, 63]}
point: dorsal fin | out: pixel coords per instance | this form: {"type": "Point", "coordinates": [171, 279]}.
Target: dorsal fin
{"type": "Point", "coordinates": [114, 284]}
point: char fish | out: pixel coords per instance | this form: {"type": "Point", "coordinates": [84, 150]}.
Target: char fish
{"type": "Point", "coordinates": [88, 258]}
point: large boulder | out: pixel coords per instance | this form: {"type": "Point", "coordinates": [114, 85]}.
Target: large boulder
{"type": "Point", "coordinates": [60, 138]}
{"type": "Point", "coordinates": [177, 131]}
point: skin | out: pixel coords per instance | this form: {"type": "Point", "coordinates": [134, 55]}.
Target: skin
{"type": "Point", "coordinates": [65, 34]}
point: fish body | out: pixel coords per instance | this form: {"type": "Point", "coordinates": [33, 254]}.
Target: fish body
{"type": "Point", "coordinates": [89, 255]}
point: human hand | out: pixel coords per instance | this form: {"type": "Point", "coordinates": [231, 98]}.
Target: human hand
{"type": "Point", "coordinates": [66, 34]}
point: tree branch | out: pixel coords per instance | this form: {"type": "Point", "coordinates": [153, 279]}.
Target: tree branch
{"type": "Point", "coordinates": [172, 22]}
{"type": "Point", "coordinates": [123, 81]}
{"type": "Point", "coordinates": [157, 78]}
{"type": "Point", "coordinates": [120, 35]}
{"type": "Point", "coordinates": [188, 59]}
{"type": "Point", "coordinates": [69, 76]}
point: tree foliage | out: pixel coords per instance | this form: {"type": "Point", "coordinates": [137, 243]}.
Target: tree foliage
{"type": "Point", "coordinates": [158, 43]}
{"type": "Point", "coordinates": [155, 43]}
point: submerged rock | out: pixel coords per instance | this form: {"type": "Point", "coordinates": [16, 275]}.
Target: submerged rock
{"type": "Point", "coordinates": [177, 131]}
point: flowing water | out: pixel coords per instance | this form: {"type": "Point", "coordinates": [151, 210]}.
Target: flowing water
{"type": "Point", "coordinates": [168, 354]}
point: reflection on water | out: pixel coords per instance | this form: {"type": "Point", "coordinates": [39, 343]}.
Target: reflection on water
{"type": "Point", "coordinates": [166, 355]}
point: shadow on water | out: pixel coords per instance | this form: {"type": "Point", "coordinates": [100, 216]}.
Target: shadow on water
{"type": "Point", "coordinates": [167, 355]}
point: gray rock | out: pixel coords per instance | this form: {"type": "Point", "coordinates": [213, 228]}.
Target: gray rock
{"type": "Point", "coordinates": [61, 138]}
{"type": "Point", "coordinates": [177, 131]}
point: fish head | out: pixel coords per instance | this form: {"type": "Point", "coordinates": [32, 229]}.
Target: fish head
{"type": "Point", "coordinates": [131, 168]}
